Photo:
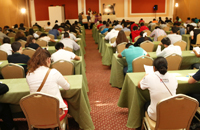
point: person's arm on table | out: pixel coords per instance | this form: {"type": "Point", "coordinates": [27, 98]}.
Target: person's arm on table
{"type": "Point", "coordinates": [143, 83]}
{"type": "Point", "coordinates": [195, 78]}
{"type": "Point", "coordinates": [52, 40]}
{"type": "Point", "coordinates": [62, 81]}
{"type": "Point", "coordinates": [158, 51]}
{"type": "Point", "coordinates": [197, 55]}
{"type": "Point", "coordinates": [119, 55]}
{"type": "Point", "coordinates": [77, 57]}
{"type": "Point", "coordinates": [75, 46]}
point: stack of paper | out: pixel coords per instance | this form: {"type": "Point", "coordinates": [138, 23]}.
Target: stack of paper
{"type": "Point", "coordinates": [148, 69]}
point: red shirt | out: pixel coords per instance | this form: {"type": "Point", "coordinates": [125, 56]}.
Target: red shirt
{"type": "Point", "coordinates": [99, 25]}
{"type": "Point", "coordinates": [142, 28]}
{"type": "Point", "coordinates": [135, 34]}
{"type": "Point", "coordinates": [141, 21]}
{"type": "Point", "coordinates": [133, 26]}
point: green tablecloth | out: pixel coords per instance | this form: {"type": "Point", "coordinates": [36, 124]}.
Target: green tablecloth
{"type": "Point", "coordinates": [12, 39]}
{"type": "Point", "coordinates": [186, 38]}
{"type": "Point", "coordinates": [117, 75]}
{"type": "Point", "coordinates": [78, 65]}
{"type": "Point", "coordinates": [78, 102]}
{"type": "Point", "coordinates": [134, 99]}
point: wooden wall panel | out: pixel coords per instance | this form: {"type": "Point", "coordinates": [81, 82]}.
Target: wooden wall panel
{"type": "Point", "coordinates": [11, 12]}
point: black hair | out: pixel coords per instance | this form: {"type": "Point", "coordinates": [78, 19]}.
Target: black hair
{"type": "Point", "coordinates": [107, 25]}
{"type": "Point", "coordinates": [175, 29]}
{"type": "Point", "coordinates": [56, 21]}
{"type": "Point", "coordinates": [6, 40]}
{"type": "Point", "coordinates": [43, 35]}
{"type": "Point", "coordinates": [179, 24]}
{"type": "Point", "coordinates": [21, 25]}
{"type": "Point", "coordinates": [142, 24]}
{"type": "Point", "coordinates": [128, 44]}
{"type": "Point", "coordinates": [157, 27]}
{"type": "Point", "coordinates": [104, 22]}
{"type": "Point", "coordinates": [141, 19]}
{"type": "Point", "coordinates": [48, 23]}
{"type": "Point", "coordinates": [100, 21]}
{"type": "Point", "coordinates": [135, 28]}
{"type": "Point", "coordinates": [109, 29]}
{"type": "Point", "coordinates": [188, 18]}
{"type": "Point", "coordinates": [31, 31]}
{"type": "Point", "coordinates": [160, 63]}
{"type": "Point", "coordinates": [16, 26]}
{"type": "Point", "coordinates": [59, 45]}
{"type": "Point", "coordinates": [177, 18]}
{"type": "Point", "coordinates": [166, 41]}
{"type": "Point", "coordinates": [125, 24]}
{"type": "Point", "coordinates": [16, 46]}
{"type": "Point", "coordinates": [56, 26]}
{"type": "Point", "coordinates": [193, 19]}
{"type": "Point", "coordinates": [66, 35]}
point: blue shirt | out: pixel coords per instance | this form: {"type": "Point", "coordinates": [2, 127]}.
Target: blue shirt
{"type": "Point", "coordinates": [105, 30]}
{"type": "Point", "coordinates": [131, 53]}
{"type": "Point", "coordinates": [54, 32]}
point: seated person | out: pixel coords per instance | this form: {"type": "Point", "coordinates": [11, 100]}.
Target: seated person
{"type": "Point", "coordinates": [163, 25]}
{"type": "Point", "coordinates": [154, 21]}
{"type": "Point", "coordinates": [130, 53]}
{"type": "Point", "coordinates": [160, 84]}
{"type": "Point", "coordinates": [174, 37]}
{"type": "Point", "coordinates": [113, 33]}
{"type": "Point", "coordinates": [121, 37]}
{"type": "Point", "coordinates": [31, 43]}
{"type": "Point", "coordinates": [54, 31]}
{"type": "Point", "coordinates": [2, 35]}
{"type": "Point", "coordinates": [141, 21]}
{"type": "Point", "coordinates": [181, 28]}
{"type": "Point", "coordinates": [125, 29]}
{"type": "Point", "coordinates": [188, 21]}
{"type": "Point", "coordinates": [143, 37]}
{"type": "Point", "coordinates": [17, 56]}
{"type": "Point", "coordinates": [105, 29]}
{"type": "Point", "coordinates": [69, 42]}
{"type": "Point", "coordinates": [157, 32]}
{"type": "Point", "coordinates": [6, 46]}
{"type": "Point", "coordinates": [169, 48]}
{"type": "Point", "coordinates": [31, 32]}
{"type": "Point", "coordinates": [5, 111]}
{"type": "Point", "coordinates": [71, 35]}
{"type": "Point", "coordinates": [62, 54]}
{"type": "Point", "coordinates": [21, 27]}
{"type": "Point", "coordinates": [142, 27]}
{"type": "Point", "coordinates": [100, 24]}
{"type": "Point", "coordinates": [46, 38]}
{"type": "Point", "coordinates": [38, 67]}
{"type": "Point", "coordinates": [118, 26]}
{"type": "Point", "coordinates": [48, 26]}
{"type": "Point", "coordinates": [193, 23]}
{"type": "Point", "coordinates": [135, 33]}
{"type": "Point", "coordinates": [20, 36]}
{"type": "Point", "coordinates": [132, 25]}
{"type": "Point", "coordinates": [193, 33]}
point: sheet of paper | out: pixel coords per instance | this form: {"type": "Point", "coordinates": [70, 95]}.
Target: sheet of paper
{"type": "Point", "coordinates": [182, 78]}
{"type": "Point", "coordinates": [191, 52]}
{"type": "Point", "coordinates": [176, 74]}
{"type": "Point", "coordinates": [197, 49]}
{"type": "Point", "coordinates": [56, 40]}
{"type": "Point", "coordinates": [191, 74]}
{"type": "Point", "coordinates": [148, 69]}
{"type": "Point", "coordinates": [78, 39]}
{"type": "Point", "coordinates": [1, 63]}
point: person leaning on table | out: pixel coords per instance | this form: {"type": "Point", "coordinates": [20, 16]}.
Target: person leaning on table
{"type": "Point", "coordinates": [160, 84]}
{"type": "Point", "coordinates": [37, 68]}
{"type": "Point", "coordinates": [131, 53]}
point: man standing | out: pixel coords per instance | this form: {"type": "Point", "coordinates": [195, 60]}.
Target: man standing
{"type": "Point", "coordinates": [80, 18]}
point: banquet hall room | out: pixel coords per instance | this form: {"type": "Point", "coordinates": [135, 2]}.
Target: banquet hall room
{"type": "Point", "coordinates": [99, 64]}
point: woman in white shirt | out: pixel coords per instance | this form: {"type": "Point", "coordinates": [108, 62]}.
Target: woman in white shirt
{"type": "Point", "coordinates": [160, 84]}
{"type": "Point", "coordinates": [38, 66]}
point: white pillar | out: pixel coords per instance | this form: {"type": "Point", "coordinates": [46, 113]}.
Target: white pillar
{"type": "Point", "coordinates": [79, 6]}
{"type": "Point", "coordinates": [125, 9]}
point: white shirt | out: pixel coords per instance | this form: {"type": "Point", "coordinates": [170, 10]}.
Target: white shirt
{"type": "Point", "coordinates": [168, 50]}
{"type": "Point", "coordinates": [48, 27]}
{"type": "Point", "coordinates": [62, 54]}
{"type": "Point", "coordinates": [118, 26]}
{"type": "Point", "coordinates": [35, 35]}
{"type": "Point", "coordinates": [45, 38]}
{"type": "Point", "coordinates": [157, 32]}
{"type": "Point", "coordinates": [163, 26]}
{"type": "Point", "coordinates": [157, 89]}
{"type": "Point", "coordinates": [113, 33]}
{"type": "Point", "coordinates": [7, 48]}
{"type": "Point", "coordinates": [193, 24]}
{"type": "Point", "coordinates": [51, 86]}
{"type": "Point", "coordinates": [174, 38]}
{"type": "Point", "coordinates": [70, 35]}
{"type": "Point", "coordinates": [70, 43]}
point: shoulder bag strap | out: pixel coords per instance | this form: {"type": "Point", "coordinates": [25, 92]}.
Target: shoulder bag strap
{"type": "Point", "coordinates": [164, 84]}
{"type": "Point", "coordinates": [44, 80]}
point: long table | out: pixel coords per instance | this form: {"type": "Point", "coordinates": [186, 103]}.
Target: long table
{"type": "Point", "coordinates": [134, 99]}
{"type": "Point", "coordinates": [78, 102]}
{"type": "Point", "coordinates": [117, 75]}
{"type": "Point", "coordinates": [186, 38]}
{"type": "Point", "coordinates": [79, 66]}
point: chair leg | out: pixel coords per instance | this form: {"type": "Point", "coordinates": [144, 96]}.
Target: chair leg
{"type": "Point", "coordinates": [67, 123]}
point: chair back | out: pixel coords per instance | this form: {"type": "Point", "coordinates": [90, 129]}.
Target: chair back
{"type": "Point", "coordinates": [127, 33]}
{"type": "Point", "coordinates": [148, 46]}
{"type": "Point", "coordinates": [74, 33]}
{"type": "Point", "coordinates": [62, 29]}
{"type": "Point", "coordinates": [153, 27]}
{"type": "Point", "coordinates": [138, 63]}
{"type": "Point", "coordinates": [51, 36]}
{"type": "Point", "coordinates": [121, 47]}
{"type": "Point", "coordinates": [161, 37]}
{"type": "Point", "coordinates": [41, 43]}
{"type": "Point", "coordinates": [64, 67]}
{"type": "Point", "coordinates": [136, 38]}
{"type": "Point", "coordinates": [198, 39]}
{"type": "Point", "coordinates": [148, 32]}
{"type": "Point", "coordinates": [28, 51]}
{"type": "Point", "coordinates": [11, 71]}
{"type": "Point", "coordinates": [68, 49]}
{"type": "Point", "coordinates": [174, 61]}
{"type": "Point", "coordinates": [182, 44]}
{"type": "Point", "coordinates": [166, 29]}
{"type": "Point", "coordinates": [22, 43]}
{"type": "Point", "coordinates": [11, 34]}
{"type": "Point", "coordinates": [112, 40]}
{"type": "Point", "coordinates": [41, 110]}
{"type": "Point", "coordinates": [106, 33]}
{"type": "Point", "coordinates": [3, 55]}
{"type": "Point", "coordinates": [38, 33]}
{"type": "Point", "coordinates": [1, 41]}
{"type": "Point", "coordinates": [176, 112]}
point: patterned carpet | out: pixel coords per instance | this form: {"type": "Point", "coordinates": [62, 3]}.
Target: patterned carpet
{"type": "Point", "coordinates": [105, 113]}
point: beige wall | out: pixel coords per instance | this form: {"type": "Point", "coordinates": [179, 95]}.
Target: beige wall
{"type": "Point", "coordinates": [10, 12]}
{"type": "Point", "coordinates": [187, 8]}
{"type": "Point", "coordinates": [119, 6]}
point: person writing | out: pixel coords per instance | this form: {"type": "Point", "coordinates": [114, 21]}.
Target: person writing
{"type": "Point", "coordinates": [38, 66]}
{"type": "Point", "coordinates": [160, 84]}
